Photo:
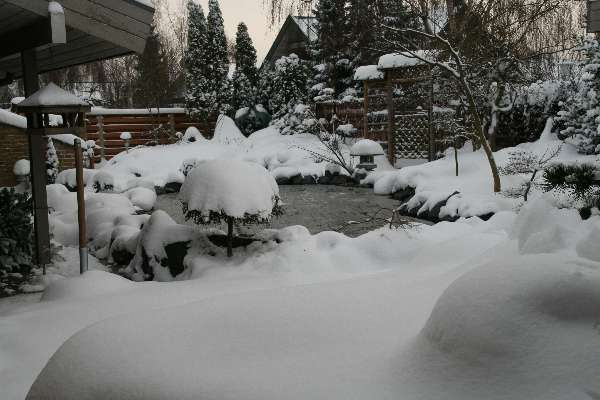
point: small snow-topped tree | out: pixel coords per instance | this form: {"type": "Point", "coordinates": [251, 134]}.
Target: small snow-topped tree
{"type": "Point", "coordinates": [230, 191]}
{"type": "Point", "coordinates": [581, 114]}
{"type": "Point", "coordinates": [51, 163]}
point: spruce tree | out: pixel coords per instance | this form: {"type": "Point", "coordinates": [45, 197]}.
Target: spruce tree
{"type": "Point", "coordinates": [199, 98]}
{"type": "Point", "coordinates": [245, 54]}
{"type": "Point", "coordinates": [216, 52]}
{"type": "Point", "coordinates": [153, 79]}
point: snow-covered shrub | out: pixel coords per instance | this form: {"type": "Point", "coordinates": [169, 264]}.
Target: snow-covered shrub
{"type": "Point", "coordinates": [51, 163]}
{"type": "Point", "coordinates": [581, 181]}
{"type": "Point", "coordinates": [298, 119]}
{"type": "Point", "coordinates": [579, 116]}
{"type": "Point", "coordinates": [252, 119]}
{"type": "Point", "coordinates": [16, 238]}
{"type": "Point", "coordinates": [188, 165]}
{"type": "Point", "coordinates": [192, 135]}
{"type": "Point", "coordinates": [289, 84]}
{"type": "Point", "coordinates": [230, 191]}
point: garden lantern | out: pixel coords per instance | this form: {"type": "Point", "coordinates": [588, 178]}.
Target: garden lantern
{"type": "Point", "coordinates": [366, 150]}
{"type": "Point", "coordinates": [37, 108]}
{"type": "Point", "coordinates": [126, 137]}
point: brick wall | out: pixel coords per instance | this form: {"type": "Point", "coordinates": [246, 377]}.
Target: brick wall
{"type": "Point", "coordinates": [66, 156]}
{"type": "Point", "coordinates": [13, 147]}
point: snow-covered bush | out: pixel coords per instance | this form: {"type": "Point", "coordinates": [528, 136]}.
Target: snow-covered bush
{"type": "Point", "coordinates": [580, 114]}
{"type": "Point", "coordinates": [299, 119]}
{"type": "Point", "coordinates": [16, 238]}
{"type": "Point", "coordinates": [252, 119]}
{"type": "Point", "coordinates": [288, 85]}
{"type": "Point", "coordinates": [51, 163]}
{"type": "Point", "coordinates": [230, 191]}
{"type": "Point", "coordinates": [192, 135]}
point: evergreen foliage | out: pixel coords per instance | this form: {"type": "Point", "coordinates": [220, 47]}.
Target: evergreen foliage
{"type": "Point", "coordinates": [217, 67]}
{"type": "Point", "coordinates": [245, 54]}
{"type": "Point", "coordinates": [199, 99]}
{"type": "Point", "coordinates": [51, 163]}
{"type": "Point", "coordinates": [154, 85]}
{"type": "Point", "coordinates": [288, 85]}
{"type": "Point", "coordinates": [16, 239]}
{"type": "Point", "coordinates": [581, 113]}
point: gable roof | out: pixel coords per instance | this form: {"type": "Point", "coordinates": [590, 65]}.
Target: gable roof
{"type": "Point", "coordinates": [307, 26]}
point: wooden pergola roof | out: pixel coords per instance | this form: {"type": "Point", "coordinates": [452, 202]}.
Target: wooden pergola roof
{"type": "Point", "coordinates": [91, 30]}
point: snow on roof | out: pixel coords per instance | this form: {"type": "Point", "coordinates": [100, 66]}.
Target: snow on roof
{"type": "Point", "coordinates": [308, 25]}
{"type": "Point", "coordinates": [368, 73]}
{"type": "Point", "coordinates": [65, 138]}
{"type": "Point", "coordinates": [16, 100]}
{"type": "Point", "coordinates": [52, 95]}
{"type": "Point", "coordinates": [233, 187]}
{"type": "Point", "coordinates": [400, 60]}
{"type": "Point", "coordinates": [366, 147]}
{"type": "Point", "coordinates": [12, 119]}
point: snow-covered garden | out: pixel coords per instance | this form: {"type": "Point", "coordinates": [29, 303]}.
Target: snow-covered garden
{"type": "Point", "coordinates": [477, 278]}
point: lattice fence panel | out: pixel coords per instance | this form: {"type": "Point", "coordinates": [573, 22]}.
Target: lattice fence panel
{"type": "Point", "coordinates": [411, 136]}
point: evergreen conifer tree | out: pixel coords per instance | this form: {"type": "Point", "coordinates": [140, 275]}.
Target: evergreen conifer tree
{"type": "Point", "coordinates": [199, 99]}
{"type": "Point", "coordinates": [580, 116]}
{"type": "Point", "coordinates": [216, 52]}
{"type": "Point", "coordinates": [245, 54]}
{"type": "Point", "coordinates": [289, 84]}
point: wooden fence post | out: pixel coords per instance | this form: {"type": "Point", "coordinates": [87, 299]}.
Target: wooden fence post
{"type": "Point", "coordinates": [101, 136]}
{"type": "Point", "coordinates": [391, 119]}
{"type": "Point", "coordinates": [172, 124]}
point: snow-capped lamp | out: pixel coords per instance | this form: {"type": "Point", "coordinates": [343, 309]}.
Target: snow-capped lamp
{"type": "Point", "coordinates": [38, 108]}
{"type": "Point", "coordinates": [366, 150]}
{"type": "Point", "coordinates": [22, 170]}
{"type": "Point", "coordinates": [126, 138]}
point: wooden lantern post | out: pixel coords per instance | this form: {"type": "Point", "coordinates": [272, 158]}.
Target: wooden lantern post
{"type": "Point", "coordinates": [37, 108]}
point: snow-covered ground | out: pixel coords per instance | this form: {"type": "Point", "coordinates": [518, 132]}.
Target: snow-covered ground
{"type": "Point", "coordinates": [284, 155]}
{"type": "Point", "coordinates": [417, 314]}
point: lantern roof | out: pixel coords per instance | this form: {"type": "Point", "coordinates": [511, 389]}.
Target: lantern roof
{"type": "Point", "coordinates": [366, 147]}
{"type": "Point", "coordinates": [53, 98]}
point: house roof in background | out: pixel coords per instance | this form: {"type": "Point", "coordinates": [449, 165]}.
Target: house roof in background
{"type": "Point", "coordinates": [306, 25]}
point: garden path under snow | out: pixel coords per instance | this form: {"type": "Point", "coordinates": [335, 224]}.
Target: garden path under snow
{"type": "Point", "coordinates": [318, 208]}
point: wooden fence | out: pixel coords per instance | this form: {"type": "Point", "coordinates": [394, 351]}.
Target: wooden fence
{"type": "Point", "coordinates": [147, 127]}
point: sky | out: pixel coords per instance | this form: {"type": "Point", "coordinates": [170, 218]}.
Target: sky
{"type": "Point", "coordinates": [253, 13]}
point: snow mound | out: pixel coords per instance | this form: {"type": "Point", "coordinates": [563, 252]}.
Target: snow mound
{"type": "Point", "coordinates": [235, 188]}
{"type": "Point", "coordinates": [90, 284]}
{"type": "Point", "coordinates": [227, 132]}
{"type": "Point", "coordinates": [366, 147]}
{"type": "Point", "coordinates": [142, 197]}
{"type": "Point", "coordinates": [192, 134]}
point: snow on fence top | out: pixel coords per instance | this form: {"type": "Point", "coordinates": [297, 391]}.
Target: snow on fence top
{"type": "Point", "coordinates": [368, 73]}
{"type": "Point", "coordinates": [12, 119]}
{"type": "Point", "coordinates": [52, 95]}
{"type": "Point", "coordinates": [135, 111]}
{"type": "Point", "coordinates": [366, 147]}
{"type": "Point", "coordinates": [400, 60]}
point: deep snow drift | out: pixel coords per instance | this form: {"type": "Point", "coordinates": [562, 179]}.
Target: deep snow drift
{"type": "Point", "coordinates": [392, 314]}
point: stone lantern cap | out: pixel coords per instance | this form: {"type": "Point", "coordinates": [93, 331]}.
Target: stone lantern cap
{"type": "Point", "coordinates": [366, 147]}
{"type": "Point", "coordinates": [53, 99]}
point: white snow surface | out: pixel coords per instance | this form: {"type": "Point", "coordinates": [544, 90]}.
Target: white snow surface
{"type": "Point", "coordinates": [12, 119]}
{"type": "Point", "coordinates": [368, 73]}
{"type": "Point", "coordinates": [235, 188]}
{"type": "Point", "coordinates": [52, 95]}
{"type": "Point", "coordinates": [401, 60]}
{"type": "Point", "coordinates": [392, 314]}
{"type": "Point", "coordinates": [55, 8]}
{"type": "Point", "coordinates": [366, 147]}
{"type": "Point", "coordinates": [135, 111]}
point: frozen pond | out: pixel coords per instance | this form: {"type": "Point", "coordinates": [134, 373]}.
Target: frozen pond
{"type": "Point", "coordinates": [317, 207]}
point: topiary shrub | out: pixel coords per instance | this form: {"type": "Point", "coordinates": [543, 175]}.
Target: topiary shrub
{"type": "Point", "coordinates": [16, 240]}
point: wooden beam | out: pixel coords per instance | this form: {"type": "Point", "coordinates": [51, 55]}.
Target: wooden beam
{"type": "Point", "coordinates": [103, 29]}
{"type": "Point", "coordinates": [43, 31]}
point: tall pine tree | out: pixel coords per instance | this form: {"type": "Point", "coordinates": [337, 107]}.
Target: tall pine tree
{"type": "Point", "coordinates": [216, 52]}
{"type": "Point", "coordinates": [245, 54]}
{"type": "Point", "coordinates": [199, 98]}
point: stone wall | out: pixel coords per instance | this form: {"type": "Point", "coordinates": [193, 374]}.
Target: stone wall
{"type": "Point", "coordinates": [13, 147]}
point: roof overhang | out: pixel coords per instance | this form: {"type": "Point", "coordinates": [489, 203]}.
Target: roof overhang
{"type": "Point", "coordinates": [89, 30]}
